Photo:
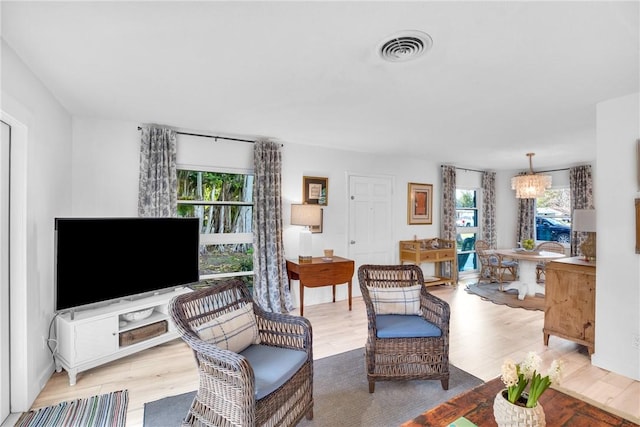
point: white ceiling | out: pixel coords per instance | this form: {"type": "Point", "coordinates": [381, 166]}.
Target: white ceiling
{"type": "Point", "coordinates": [502, 78]}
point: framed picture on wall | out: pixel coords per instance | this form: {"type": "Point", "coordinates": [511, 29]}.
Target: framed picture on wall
{"type": "Point", "coordinates": [315, 190]}
{"type": "Point", "coordinates": [419, 203]}
{"type": "Point", "coordinates": [638, 226]}
{"type": "Point", "coordinates": [638, 161]}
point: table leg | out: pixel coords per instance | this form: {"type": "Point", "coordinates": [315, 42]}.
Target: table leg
{"type": "Point", "coordinates": [527, 285]}
{"type": "Point", "coordinates": [349, 287]}
{"type": "Point", "coordinates": [334, 293]}
{"type": "Point", "coordinates": [301, 298]}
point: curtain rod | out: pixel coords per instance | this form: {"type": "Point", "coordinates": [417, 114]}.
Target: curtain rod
{"type": "Point", "coordinates": [212, 136]}
{"type": "Point", "coordinates": [554, 170]}
{"type": "Point", "coordinates": [464, 169]}
{"type": "Point", "coordinates": [475, 170]}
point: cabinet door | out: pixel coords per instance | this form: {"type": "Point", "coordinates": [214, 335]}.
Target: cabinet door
{"type": "Point", "coordinates": [569, 300]}
{"type": "Point", "coordinates": [95, 339]}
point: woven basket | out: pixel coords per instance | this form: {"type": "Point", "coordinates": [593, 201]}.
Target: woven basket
{"type": "Point", "coordinates": [508, 414]}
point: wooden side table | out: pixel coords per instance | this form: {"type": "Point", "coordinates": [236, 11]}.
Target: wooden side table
{"type": "Point", "coordinates": [319, 272]}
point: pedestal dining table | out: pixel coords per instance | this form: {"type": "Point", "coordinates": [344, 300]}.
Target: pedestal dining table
{"type": "Point", "coordinates": [527, 261]}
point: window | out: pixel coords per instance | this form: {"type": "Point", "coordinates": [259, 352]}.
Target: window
{"type": "Point", "coordinates": [553, 216]}
{"type": "Point", "coordinates": [224, 204]}
{"type": "Point", "coordinates": [467, 223]}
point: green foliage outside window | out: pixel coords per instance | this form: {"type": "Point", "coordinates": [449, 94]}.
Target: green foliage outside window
{"type": "Point", "coordinates": [224, 204]}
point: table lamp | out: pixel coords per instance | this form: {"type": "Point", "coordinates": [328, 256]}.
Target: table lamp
{"type": "Point", "coordinates": [307, 216]}
{"type": "Point", "coordinates": [585, 220]}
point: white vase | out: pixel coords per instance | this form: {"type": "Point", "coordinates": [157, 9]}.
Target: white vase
{"type": "Point", "coordinates": [508, 414]}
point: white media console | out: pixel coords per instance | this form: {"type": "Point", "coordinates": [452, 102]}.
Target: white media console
{"type": "Point", "coordinates": [96, 336]}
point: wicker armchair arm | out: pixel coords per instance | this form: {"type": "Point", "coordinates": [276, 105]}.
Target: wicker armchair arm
{"type": "Point", "coordinates": [230, 375]}
{"type": "Point", "coordinates": [435, 310]}
{"type": "Point", "coordinates": [284, 330]}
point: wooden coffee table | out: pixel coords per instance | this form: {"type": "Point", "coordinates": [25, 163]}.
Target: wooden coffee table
{"type": "Point", "coordinates": [477, 406]}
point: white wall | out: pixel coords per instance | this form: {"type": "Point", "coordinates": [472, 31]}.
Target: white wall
{"type": "Point", "coordinates": [618, 266]}
{"type": "Point", "coordinates": [47, 185]}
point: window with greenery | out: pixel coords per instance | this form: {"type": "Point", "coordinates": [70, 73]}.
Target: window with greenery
{"type": "Point", "coordinates": [467, 223]}
{"type": "Point", "coordinates": [224, 204]}
{"type": "Point", "coordinates": [553, 216]}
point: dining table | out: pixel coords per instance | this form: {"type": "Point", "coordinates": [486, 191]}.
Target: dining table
{"type": "Point", "coordinates": [527, 285]}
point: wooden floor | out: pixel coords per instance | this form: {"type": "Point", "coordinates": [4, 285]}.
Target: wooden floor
{"type": "Point", "coordinates": [482, 336]}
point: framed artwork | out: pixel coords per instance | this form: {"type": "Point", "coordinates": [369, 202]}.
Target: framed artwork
{"type": "Point", "coordinates": [638, 226]}
{"type": "Point", "coordinates": [638, 162]}
{"type": "Point", "coordinates": [420, 203]}
{"type": "Point", "coordinates": [315, 190]}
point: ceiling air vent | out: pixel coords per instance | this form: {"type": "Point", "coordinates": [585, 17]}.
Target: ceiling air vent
{"type": "Point", "coordinates": [405, 46]}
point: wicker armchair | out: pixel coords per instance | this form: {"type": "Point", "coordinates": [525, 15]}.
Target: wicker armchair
{"type": "Point", "coordinates": [494, 266]}
{"type": "Point", "coordinates": [397, 346]}
{"type": "Point", "coordinates": [232, 389]}
{"type": "Point", "coordinates": [547, 247]}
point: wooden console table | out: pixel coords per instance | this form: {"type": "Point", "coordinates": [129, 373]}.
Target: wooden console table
{"type": "Point", "coordinates": [570, 301]}
{"type": "Point", "coordinates": [476, 405]}
{"type": "Point", "coordinates": [434, 250]}
{"type": "Point", "coordinates": [318, 273]}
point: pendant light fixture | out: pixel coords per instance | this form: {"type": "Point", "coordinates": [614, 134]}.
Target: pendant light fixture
{"type": "Point", "coordinates": [531, 185]}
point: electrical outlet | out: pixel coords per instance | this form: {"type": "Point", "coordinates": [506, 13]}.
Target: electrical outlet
{"type": "Point", "coordinates": [635, 341]}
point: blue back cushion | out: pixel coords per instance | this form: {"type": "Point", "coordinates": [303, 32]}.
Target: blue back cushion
{"type": "Point", "coordinates": [403, 326]}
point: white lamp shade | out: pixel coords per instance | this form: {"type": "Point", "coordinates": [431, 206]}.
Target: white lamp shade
{"type": "Point", "coordinates": [584, 220]}
{"type": "Point", "coordinates": [307, 215]}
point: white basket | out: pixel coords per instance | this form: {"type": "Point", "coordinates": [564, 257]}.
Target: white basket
{"type": "Point", "coordinates": [137, 315]}
{"type": "Point", "coordinates": [509, 415]}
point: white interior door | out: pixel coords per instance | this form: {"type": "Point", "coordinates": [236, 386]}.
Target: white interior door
{"type": "Point", "coordinates": [5, 384]}
{"type": "Point", "coordinates": [370, 220]}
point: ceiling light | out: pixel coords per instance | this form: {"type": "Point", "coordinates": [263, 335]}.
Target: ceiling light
{"type": "Point", "coordinates": [531, 185]}
{"type": "Point", "coordinates": [404, 46]}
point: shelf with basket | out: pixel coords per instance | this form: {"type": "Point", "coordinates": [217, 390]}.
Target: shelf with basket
{"type": "Point", "coordinates": [438, 251]}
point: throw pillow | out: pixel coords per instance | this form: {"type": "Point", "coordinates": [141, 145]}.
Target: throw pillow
{"type": "Point", "coordinates": [233, 331]}
{"type": "Point", "coordinates": [404, 300]}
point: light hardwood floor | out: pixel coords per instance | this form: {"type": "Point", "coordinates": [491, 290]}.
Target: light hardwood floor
{"type": "Point", "coordinates": [482, 336]}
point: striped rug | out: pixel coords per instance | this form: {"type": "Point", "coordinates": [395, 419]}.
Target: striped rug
{"type": "Point", "coordinates": [105, 410]}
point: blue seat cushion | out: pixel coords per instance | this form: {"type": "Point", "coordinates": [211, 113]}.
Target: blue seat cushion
{"type": "Point", "coordinates": [405, 326]}
{"type": "Point", "coordinates": [272, 366]}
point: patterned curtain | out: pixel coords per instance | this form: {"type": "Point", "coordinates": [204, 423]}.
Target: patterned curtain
{"type": "Point", "coordinates": [158, 182]}
{"type": "Point", "coordinates": [526, 219]}
{"type": "Point", "coordinates": [489, 208]}
{"type": "Point", "coordinates": [581, 188]}
{"type": "Point", "coordinates": [270, 283]}
{"type": "Point", "coordinates": [448, 220]}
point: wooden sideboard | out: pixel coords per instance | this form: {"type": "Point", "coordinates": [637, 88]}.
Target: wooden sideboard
{"type": "Point", "coordinates": [570, 301]}
{"type": "Point", "coordinates": [437, 251]}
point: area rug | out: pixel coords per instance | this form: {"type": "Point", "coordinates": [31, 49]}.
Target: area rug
{"type": "Point", "coordinates": [105, 410]}
{"type": "Point", "coordinates": [341, 396]}
{"type": "Point", "coordinates": [491, 292]}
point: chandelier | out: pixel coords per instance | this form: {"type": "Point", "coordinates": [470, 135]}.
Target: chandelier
{"type": "Point", "coordinates": [530, 186]}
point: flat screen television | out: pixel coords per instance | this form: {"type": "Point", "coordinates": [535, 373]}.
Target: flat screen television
{"type": "Point", "coordinates": [103, 259]}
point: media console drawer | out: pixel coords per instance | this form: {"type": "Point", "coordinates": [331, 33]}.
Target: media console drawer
{"type": "Point", "coordinates": [143, 333]}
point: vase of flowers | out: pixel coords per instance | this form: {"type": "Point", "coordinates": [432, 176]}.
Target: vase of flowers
{"type": "Point", "coordinates": [517, 405]}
